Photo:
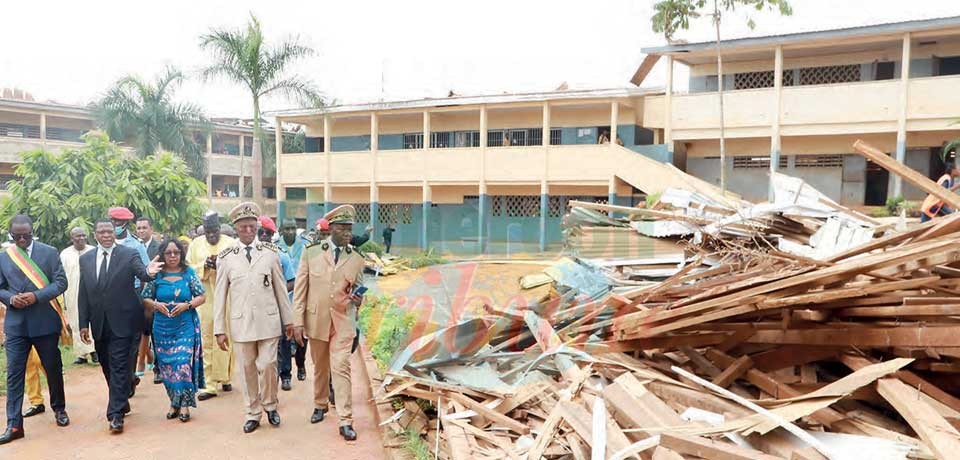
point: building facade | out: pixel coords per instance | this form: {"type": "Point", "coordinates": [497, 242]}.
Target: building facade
{"type": "Point", "coordinates": [28, 125]}
{"type": "Point", "coordinates": [796, 103]}
{"type": "Point", "coordinates": [464, 173]}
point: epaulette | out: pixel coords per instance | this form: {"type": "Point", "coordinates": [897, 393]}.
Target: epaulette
{"type": "Point", "coordinates": [227, 251]}
{"type": "Point", "coordinates": [321, 245]}
{"type": "Point", "coordinates": [270, 246]}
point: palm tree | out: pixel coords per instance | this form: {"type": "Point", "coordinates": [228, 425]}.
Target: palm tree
{"type": "Point", "coordinates": [243, 56]}
{"type": "Point", "coordinates": [144, 115]}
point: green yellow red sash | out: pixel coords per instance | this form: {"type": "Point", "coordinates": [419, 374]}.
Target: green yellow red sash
{"type": "Point", "coordinates": [39, 279]}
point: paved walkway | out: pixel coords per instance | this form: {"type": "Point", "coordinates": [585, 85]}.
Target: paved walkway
{"type": "Point", "coordinates": [215, 431]}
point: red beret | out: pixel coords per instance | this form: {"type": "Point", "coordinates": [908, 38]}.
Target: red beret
{"type": "Point", "coordinates": [267, 223]}
{"type": "Point", "coordinates": [323, 224]}
{"type": "Point", "coordinates": [120, 213]}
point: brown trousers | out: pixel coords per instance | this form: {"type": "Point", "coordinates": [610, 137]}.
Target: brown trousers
{"type": "Point", "coordinates": [332, 357]}
{"type": "Point", "coordinates": [257, 365]}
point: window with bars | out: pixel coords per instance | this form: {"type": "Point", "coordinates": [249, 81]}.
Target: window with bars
{"type": "Point", "coordinates": [762, 79]}
{"type": "Point", "coordinates": [534, 136]}
{"type": "Point", "coordinates": [557, 206]}
{"type": "Point", "coordinates": [413, 141]}
{"type": "Point", "coordinates": [818, 161]}
{"type": "Point", "coordinates": [521, 206]}
{"type": "Point", "coordinates": [496, 206]}
{"type": "Point", "coordinates": [393, 214]}
{"type": "Point", "coordinates": [556, 136]}
{"type": "Point", "coordinates": [467, 139]}
{"type": "Point", "coordinates": [518, 136]}
{"type": "Point", "coordinates": [363, 212]}
{"type": "Point", "coordinates": [440, 140]}
{"type": "Point", "coordinates": [751, 162]}
{"type": "Point", "coordinates": [495, 138]}
{"type": "Point", "coordinates": [830, 74]}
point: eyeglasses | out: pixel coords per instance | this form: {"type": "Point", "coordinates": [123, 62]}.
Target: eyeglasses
{"type": "Point", "coordinates": [21, 236]}
{"type": "Point", "coordinates": [171, 253]}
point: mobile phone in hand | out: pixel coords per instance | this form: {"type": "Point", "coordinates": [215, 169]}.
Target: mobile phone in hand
{"type": "Point", "coordinates": [359, 291]}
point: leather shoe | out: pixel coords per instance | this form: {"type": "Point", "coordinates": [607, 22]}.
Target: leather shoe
{"type": "Point", "coordinates": [347, 432]}
{"type": "Point", "coordinates": [273, 417]}
{"type": "Point", "coordinates": [80, 360]}
{"type": "Point", "coordinates": [185, 417]}
{"type": "Point", "coordinates": [227, 387]}
{"type": "Point", "coordinates": [94, 358]}
{"type": "Point", "coordinates": [301, 374]}
{"type": "Point", "coordinates": [174, 413]}
{"type": "Point", "coordinates": [116, 425]}
{"type": "Point", "coordinates": [12, 434]}
{"type": "Point", "coordinates": [317, 416]}
{"type": "Point", "coordinates": [62, 418]}
{"type": "Point", "coordinates": [34, 410]}
{"type": "Point", "coordinates": [251, 426]}
{"type": "Point", "coordinates": [285, 385]}
{"type": "Point", "coordinates": [203, 396]}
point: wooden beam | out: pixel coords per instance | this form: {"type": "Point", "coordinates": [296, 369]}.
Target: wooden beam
{"type": "Point", "coordinates": [634, 406]}
{"type": "Point", "coordinates": [488, 413]}
{"type": "Point", "coordinates": [918, 180]}
{"type": "Point", "coordinates": [710, 450]}
{"type": "Point", "coordinates": [644, 69]}
{"type": "Point", "coordinates": [941, 437]}
{"type": "Point", "coordinates": [733, 371]}
{"type": "Point", "coordinates": [914, 380]}
{"type": "Point", "coordinates": [948, 336]}
{"type": "Point", "coordinates": [900, 311]}
{"type": "Point", "coordinates": [791, 355]}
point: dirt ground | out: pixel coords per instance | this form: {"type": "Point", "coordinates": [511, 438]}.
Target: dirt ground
{"type": "Point", "coordinates": [215, 431]}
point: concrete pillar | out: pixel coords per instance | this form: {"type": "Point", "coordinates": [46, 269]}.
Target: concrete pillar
{"type": "Point", "coordinates": [43, 130]}
{"type": "Point", "coordinates": [327, 147]}
{"type": "Point", "coordinates": [425, 208]}
{"type": "Point", "coordinates": [902, 118]}
{"type": "Point", "coordinates": [612, 193]}
{"type": "Point", "coordinates": [546, 124]}
{"type": "Point", "coordinates": [374, 209]}
{"type": "Point", "coordinates": [614, 119]}
{"type": "Point", "coordinates": [668, 108]}
{"type": "Point", "coordinates": [775, 128]}
{"type": "Point", "coordinates": [280, 190]}
{"type": "Point", "coordinates": [210, 168]}
{"type": "Point", "coordinates": [544, 209]}
{"type": "Point", "coordinates": [426, 129]}
{"type": "Point", "coordinates": [374, 188]}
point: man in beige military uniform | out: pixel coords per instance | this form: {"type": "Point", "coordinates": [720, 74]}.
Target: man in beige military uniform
{"type": "Point", "coordinates": [250, 279]}
{"type": "Point", "coordinates": [326, 299]}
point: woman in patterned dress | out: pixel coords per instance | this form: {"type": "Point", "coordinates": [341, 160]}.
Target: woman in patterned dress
{"type": "Point", "coordinates": [173, 298]}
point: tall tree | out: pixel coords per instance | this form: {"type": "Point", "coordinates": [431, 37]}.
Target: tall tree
{"type": "Point", "coordinates": [672, 15]}
{"type": "Point", "coordinates": [77, 186]}
{"type": "Point", "coordinates": [243, 56]}
{"type": "Point", "coordinates": [145, 115]}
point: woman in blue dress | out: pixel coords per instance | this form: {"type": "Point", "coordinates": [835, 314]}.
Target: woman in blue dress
{"type": "Point", "coordinates": [174, 297]}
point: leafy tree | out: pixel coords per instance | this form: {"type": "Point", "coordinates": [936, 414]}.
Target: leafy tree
{"type": "Point", "coordinates": [243, 56]}
{"type": "Point", "coordinates": [144, 115]}
{"type": "Point", "coordinates": [77, 186]}
{"type": "Point", "coordinates": [672, 15]}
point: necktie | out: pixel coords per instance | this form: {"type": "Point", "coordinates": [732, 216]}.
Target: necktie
{"type": "Point", "coordinates": [336, 255]}
{"type": "Point", "coordinates": [102, 275]}
{"type": "Point", "coordinates": [249, 257]}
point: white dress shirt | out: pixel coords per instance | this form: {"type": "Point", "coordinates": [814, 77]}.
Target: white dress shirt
{"type": "Point", "coordinates": [100, 261]}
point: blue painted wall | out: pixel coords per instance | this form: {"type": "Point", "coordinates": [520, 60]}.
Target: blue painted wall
{"type": "Point", "coordinates": [313, 144]}
{"type": "Point", "coordinates": [391, 141]}
{"type": "Point", "coordinates": [350, 143]}
{"type": "Point", "coordinates": [657, 152]}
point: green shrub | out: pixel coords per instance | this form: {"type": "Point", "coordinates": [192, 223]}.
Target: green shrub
{"type": "Point", "coordinates": [372, 246]}
{"type": "Point", "coordinates": [425, 259]}
{"type": "Point", "coordinates": [385, 327]}
{"type": "Point", "coordinates": [652, 199]}
{"type": "Point", "coordinates": [895, 204]}
{"type": "Point", "coordinates": [416, 445]}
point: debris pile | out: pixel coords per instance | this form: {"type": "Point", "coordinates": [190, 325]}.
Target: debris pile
{"type": "Point", "coordinates": [796, 329]}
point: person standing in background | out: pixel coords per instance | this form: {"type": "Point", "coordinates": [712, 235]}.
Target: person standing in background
{"type": "Point", "coordinates": [202, 258]}
{"type": "Point", "coordinates": [121, 221]}
{"type": "Point", "coordinates": [293, 246]}
{"type": "Point", "coordinates": [388, 237]}
{"type": "Point", "coordinates": [70, 258]}
{"type": "Point", "coordinates": [145, 233]}
{"type": "Point", "coordinates": [265, 235]}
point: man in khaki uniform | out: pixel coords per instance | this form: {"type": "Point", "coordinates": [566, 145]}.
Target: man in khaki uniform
{"type": "Point", "coordinates": [325, 297]}
{"type": "Point", "coordinates": [202, 258]}
{"type": "Point", "coordinates": [250, 279]}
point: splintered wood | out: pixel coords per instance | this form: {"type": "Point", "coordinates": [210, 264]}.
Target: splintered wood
{"type": "Point", "coordinates": [852, 354]}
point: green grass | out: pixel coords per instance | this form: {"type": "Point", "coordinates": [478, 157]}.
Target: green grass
{"type": "Point", "coordinates": [385, 327]}
{"type": "Point", "coordinates": [425, 259]}
{"type": "Point", "coordinates": [416, 445]}
{"type": "Point", "coordinates": [66, 355]}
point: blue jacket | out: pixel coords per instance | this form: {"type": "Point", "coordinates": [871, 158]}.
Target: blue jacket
{"type": "Point", "coordinates": [40, 318]}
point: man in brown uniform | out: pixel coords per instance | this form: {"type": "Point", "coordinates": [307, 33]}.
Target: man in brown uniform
{"type": "Point", "coordinates": [250, 279]}
{"type": "Point", "coordinates": [325, 300]}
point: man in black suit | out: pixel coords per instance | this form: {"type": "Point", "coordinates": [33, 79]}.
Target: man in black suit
{"type": "Point", "coordinates": [31, 279]}
{"type": "Point", "coordinates": [110, 305]}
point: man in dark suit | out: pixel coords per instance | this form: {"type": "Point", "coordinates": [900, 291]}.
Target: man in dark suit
{"type": "Point", "coordinates": [31, 279]}
{"type": "Point", "coordinates": [109, 304]}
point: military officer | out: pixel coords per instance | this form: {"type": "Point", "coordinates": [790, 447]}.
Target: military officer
{"type": "Point", "coordinates": [250, 279]}
{"type": "Point", "coordinates": [326, 297]}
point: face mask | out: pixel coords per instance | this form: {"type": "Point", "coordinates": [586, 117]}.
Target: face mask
{"type": "Point", "coordinates": [119, 231]}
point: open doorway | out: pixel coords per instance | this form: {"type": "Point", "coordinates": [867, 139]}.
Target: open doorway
{"type": "Point", "coordinates": [603, 134]}
{"type": "Point", "coordinates": [877, 181]}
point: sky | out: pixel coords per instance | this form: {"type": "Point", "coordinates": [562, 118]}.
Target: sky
{"type": "Point", "coordinates": [370, 50]}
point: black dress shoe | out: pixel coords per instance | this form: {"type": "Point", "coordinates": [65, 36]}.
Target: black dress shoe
{"type": "Point", "coordinates": [347, 432]}
{"type": "Point", "coordinates": [185, 417]}
{"type": "Point", "coordinates": [62, 418]}
{"type": "Point", "coordinates": [227, 387]}
{"type": "Point", "coordinates": [80, 360]}
{"type": "Point", "coordinates": [317, 416]}
{"type": "Point", "coordinates": [34, 410]}
{"type": "Point", "coordinates": [273, 417]}
{"type": "Point", "coordinates": [174, 413]}
{"type": "Point", "coordinates": [301, 374]}
{"type": "Point", "coordinates": [94, 358]}
{"type": "Point", "coordinates": [203, 396]}
{"type": "Point", "coordinates": [12, 434]}
{"type": "Point", "coordinates": [285, 385]}
{"type": "Point", "coordinates": [251, 426]}
{"type": "Point", "coordinates": [116, 425]}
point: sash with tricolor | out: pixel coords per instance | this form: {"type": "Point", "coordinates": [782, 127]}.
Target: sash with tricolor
{"type": "Point", "coordinates": [39, 279]}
